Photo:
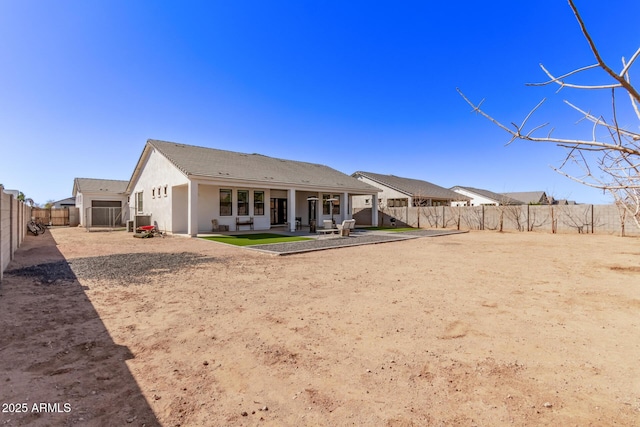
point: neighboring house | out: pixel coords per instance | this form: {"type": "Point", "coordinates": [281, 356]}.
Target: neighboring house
{"type": "Point", "coordinates": [101, 202]}
{"type": "Point", "coordinates": [530, 197]}
{"type": "Point", "coordinates": [69, 202]}
{"type": "Point", "coordinates": [479, 197]}
{"type": "Point", "coordinates": [185, 189]}
{"type": "Point", "coordinates": [563, 202]}
{"type": "Point", "coordinates": [401, 192]}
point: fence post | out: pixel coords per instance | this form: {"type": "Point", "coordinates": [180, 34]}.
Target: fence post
{"type": "Point", "coordinates": [10, 227]}
{"type": "Point", "coordinates": [443, 222]}
{"type": "Point", "coordinates": [592, 221]}
{"type": "Point", "coordinates": [19, 212]}
{"type": "Point", "coordinates": [1, 238]}
{"type": "Point", "coordinates": [528, 226]}
{"type": "Point", "coordinates": [482, 226]}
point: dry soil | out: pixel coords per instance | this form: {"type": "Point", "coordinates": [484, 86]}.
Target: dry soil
{"type": "Point", "coordinates": [484, 328]}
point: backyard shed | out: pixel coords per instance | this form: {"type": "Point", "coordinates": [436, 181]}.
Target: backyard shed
{"type": "Point", "coordinates": [101, 202]}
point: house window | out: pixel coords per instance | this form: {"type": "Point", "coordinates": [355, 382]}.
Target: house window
{"type": "Point", "coordinates": [326, 204]}
{"type": "Point", "coordinates": [225, 202]}
{"type": "Point", "coordinates": [153, 193]}
{"type": "Point", "coordinates": [139, 202]}
{"type": "Point", "coordinates": [243, 202]}
{"type": "Point", "coordinates": [258, 203]}
{"type": "Point", "coordinates": [165, 191]}
{"type": "Point", "coordinates": [159, 190]}
{"type": "Point", "coordinates": [396, 203]}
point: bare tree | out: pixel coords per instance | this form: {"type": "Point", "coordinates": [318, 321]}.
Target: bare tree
{"type": "Point", "coordinates": [474, 217]}
{"type": "Point", "coordinates": [610, 160]}
{"type": "Point", "coordinates": [421, 203]}
{"type": "Point", "coordinates": [535, 218]}
{"type": "Point", "coordinates": [432, 214]}
{"type": "Point", "coordinates": [517, 215]}
{"type": "Point", "coordinates": [622, 216]}
{"type": "Point", "coordinates": [385, 211]}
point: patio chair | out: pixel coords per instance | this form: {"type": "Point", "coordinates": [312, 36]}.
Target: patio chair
{"type": "Point", "coordinates": [346, 226]}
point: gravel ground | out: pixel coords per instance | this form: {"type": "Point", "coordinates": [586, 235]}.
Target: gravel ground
{"type": "Point", "coordinates": [356, 239]}
{"type": "Point", "coordinates": [118, 269]}
{"type": "Point", "coordinates": [137, 268]}
{"type": "Point", "coordinates": [330, 242]}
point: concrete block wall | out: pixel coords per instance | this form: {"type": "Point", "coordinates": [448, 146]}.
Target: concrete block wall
{"type": "Point", "coordinates": [544, 218]}
{"type": "Point", "coordinates": [14, 216]}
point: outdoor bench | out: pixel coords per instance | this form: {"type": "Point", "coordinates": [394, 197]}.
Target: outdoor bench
{"type": "Point", "coordinates": [244, 221]}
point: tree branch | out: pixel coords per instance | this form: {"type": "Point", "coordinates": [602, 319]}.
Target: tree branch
{"type": "Point", "coordinates": [632, 91]}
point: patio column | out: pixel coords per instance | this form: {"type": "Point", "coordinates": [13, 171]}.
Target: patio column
{"type": "Point", "coordinates": [374, 210]}
{"type": "Point", "coordinates": [344, 206]}
{"type": "Point", "coordinates": [192, 209]}
{"type": "Point", "coordinates": [291, 210]}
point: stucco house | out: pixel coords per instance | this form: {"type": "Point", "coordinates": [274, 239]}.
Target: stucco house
{"type": "Point", "coordinates": [531, 197]}
{"type": "Point", "coordinates": [186, 189]}
{"type": "Point", "coordinates": [69, 202]}
{"type": "Point", "coordinates": [479, 197]}
{"type": "Point", "coordinates": [400, 192]}
{"type": "Point", "coordinates": [101, 202]}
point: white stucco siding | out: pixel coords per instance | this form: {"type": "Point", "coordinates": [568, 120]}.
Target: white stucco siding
{"type": "Point", "coordinates": [476, 199]}
{"type": "Point", "coordinates": [386, 193]}
{"type": "Point", "coordinates": [360, 202]}
{"type": "Point", "coordinates": [178, 214]}
{"type": "Point", "coordinates": [157, 182]}
{"type": "Point", "coordinates": [85, 200]}
{"type": "Point", "coordinates": [209, 207]}
{"type": "Point", "coordinates": [302, 205]}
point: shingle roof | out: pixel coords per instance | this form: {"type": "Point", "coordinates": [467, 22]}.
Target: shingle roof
{"type": "Point", "coordinates": [412, 187]}
{"type": "Point", "coordinates": [497, 197]}
{"type": "Point", "coordinates": [528, 197]}
{"type": "Point", "coordinates": [90, 185]}
{"type": "Point", "coordinates": [210, 162]}
{"type": "Point", "coordinates": [67, 201]}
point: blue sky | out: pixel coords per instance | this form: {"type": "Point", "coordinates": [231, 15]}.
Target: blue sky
{"type": "Point", "coordinates": [351, 84]}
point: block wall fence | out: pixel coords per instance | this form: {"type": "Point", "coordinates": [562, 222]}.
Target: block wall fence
{"type": "Point", "coordinates": [607, 219]}
{"type": "Point", "coordinates": [14, 216]}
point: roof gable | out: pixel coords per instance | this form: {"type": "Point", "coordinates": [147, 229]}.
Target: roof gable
{"type": "Point", "coordinates": [529, 197]}
{"type": "Point", "coordinates": [412, 187]}
{"type": "Point", "coordinates": [496, 197]}
{"type": "Point", "coordinates": [91, 185]}
{"type": "Point", "coordinates": [205, 162]}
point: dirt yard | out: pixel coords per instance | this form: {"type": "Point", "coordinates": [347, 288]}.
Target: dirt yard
{"type": "Point", "coordinates": [483, 329]}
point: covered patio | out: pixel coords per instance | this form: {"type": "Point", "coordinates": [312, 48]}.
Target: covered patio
{"type": "Point", "coordinates": [202, 206]}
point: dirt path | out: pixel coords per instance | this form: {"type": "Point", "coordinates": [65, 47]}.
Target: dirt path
{"type": "Point", "coordinates": [482, 329]}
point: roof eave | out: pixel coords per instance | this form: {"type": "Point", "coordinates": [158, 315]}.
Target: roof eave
{"type": "Point", "coordinates": [408, 193]}
{"type": "Point", "coordinates": [261, 183]}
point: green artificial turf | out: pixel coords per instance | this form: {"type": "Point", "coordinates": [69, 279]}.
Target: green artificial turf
{"type": "Point", "coordinates": [255, 239]}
